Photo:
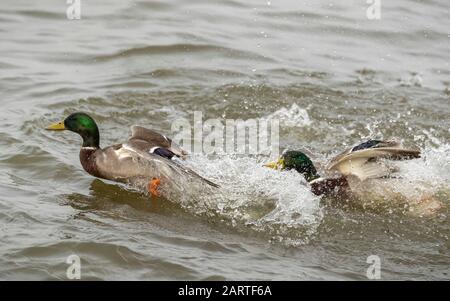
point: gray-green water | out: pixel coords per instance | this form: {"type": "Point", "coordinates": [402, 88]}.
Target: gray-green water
{"type": "Point", "coordinates": [332, 76]}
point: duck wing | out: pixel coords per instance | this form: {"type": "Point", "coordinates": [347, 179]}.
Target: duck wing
{"type": "Point", "coordinates": [153, 142]}
{"type": "Point", "coordinates": [363, 160]}
{"type": "Point", "coordinates": [194, 174]}
{"type": "Point", "coordinates": [123, 162]}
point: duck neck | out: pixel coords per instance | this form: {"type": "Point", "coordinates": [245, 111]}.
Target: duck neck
{"type": "Point", "coordinates": [91, 138]}
{"type": "Point", "coordinates": [308, 171]}
{"type": "Point", "coordinates": [311, 175]}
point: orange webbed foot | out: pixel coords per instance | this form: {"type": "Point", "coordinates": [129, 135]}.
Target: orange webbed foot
{"type": "Point", "coordinates": [153, 186]}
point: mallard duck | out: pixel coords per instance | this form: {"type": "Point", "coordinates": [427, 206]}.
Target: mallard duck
{"type": "Point", "coordinates": [363, 170]}
{"type": "Point", "coordinates": [144, 160]}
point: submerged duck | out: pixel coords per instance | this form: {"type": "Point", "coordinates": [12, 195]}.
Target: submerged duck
{"type": "Point", "coordinates": [363, 171]}
{"type": "Point", "coordinates": [144, 160]}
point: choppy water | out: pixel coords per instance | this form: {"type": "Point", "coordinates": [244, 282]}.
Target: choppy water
{"type": "Point", "coordinates": [332, 76]}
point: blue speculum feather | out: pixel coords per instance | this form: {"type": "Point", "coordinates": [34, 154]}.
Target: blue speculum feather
{"type": "Point", "coordinates": [365, 145]}
{"type": "Point", "coordinates": [163, 152]}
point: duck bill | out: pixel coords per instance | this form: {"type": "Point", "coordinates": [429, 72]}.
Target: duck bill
{"type": "Point", "coordinates": [59, 126]}
{"type": "Point", "coordinates": [279, 164]}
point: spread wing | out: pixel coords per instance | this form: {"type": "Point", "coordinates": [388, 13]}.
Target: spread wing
{"type": "Point", "coordinates": [123, 161]}
{"type": "Point", "coordinates": [153, 142]}
{"type": "Point", "coordinates": [364, 161]}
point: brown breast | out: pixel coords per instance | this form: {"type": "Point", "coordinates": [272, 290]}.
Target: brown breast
{"type": "Point", "coordinates": [87, 159]}
{"type": "Point", "coordinates": [330, 186]}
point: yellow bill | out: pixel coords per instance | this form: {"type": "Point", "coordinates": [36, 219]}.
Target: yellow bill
{"type": "Point", "coordinates": [59, 126]}
{"type": "Point", "coordinates": [279, 164]}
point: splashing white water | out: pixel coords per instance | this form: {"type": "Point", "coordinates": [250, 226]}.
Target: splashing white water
{"type": "Point", "coordinates": [267, 201]}
{"type": "Point", "coordinates": [295, 116]}
{"type": "Point", "coordinates": [433, 166]}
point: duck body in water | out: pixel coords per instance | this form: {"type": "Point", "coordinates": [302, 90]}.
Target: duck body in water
{"type": "Point", "coordinates": [364, 172]}
{"type": "Point", "coordinates": [145, 160]}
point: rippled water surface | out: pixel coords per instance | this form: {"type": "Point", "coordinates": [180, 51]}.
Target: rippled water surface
{"type": "Point", "coordinates": [328, 73]}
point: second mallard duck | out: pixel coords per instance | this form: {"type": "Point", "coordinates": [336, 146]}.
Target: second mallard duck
{"type": "Point", "coordinates": [144, 160]}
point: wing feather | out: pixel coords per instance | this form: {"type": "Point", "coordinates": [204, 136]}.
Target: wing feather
{"type": "Point", "coordinates": [126, 161]}
{"type": "Point", "coordinates": [147, 140]}
{"type": "Point", "coordinates": [363, 160]}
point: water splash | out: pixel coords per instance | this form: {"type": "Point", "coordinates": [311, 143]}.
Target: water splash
{"type": "Point", "coordinates": [277, 205]}
{"type": "Point", "coordinates": [295, 116]}
{"type": "Point", "coordinates": [414, 79]}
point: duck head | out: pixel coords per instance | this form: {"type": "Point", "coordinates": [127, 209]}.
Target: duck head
{"type": "Point", "coordinates": [296, 160]}
{"type": "Point", "coordinates": [82, 124]}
